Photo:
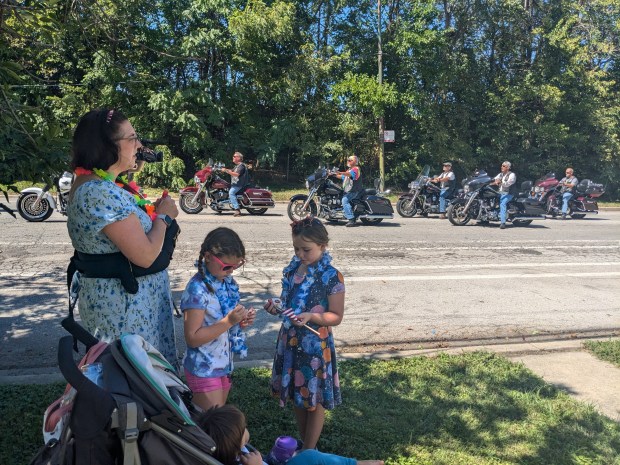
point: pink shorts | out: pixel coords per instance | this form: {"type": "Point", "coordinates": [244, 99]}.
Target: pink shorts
{"type": "Point", "coordinates": [198, 384]}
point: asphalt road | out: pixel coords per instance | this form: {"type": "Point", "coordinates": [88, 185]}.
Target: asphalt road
{"type": "Point", "coordinates": [417, 282]}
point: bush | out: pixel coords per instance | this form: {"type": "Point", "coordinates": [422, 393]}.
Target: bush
{"type": "Point", "coordinates": [167, 174]}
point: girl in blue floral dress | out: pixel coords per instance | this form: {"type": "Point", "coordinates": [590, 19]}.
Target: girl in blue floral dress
{"type": "Point", "coordinates": [213, 318]}
{"type": "Point", "coordinates": [304, 367]}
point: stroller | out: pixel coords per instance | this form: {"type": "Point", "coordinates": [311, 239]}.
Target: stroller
{"type": "Point", "coordinates": [141, 415]}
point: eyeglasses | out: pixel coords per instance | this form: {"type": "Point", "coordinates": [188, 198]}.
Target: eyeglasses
{"type": "Point", "coordinates": [307, 222]}
{"type": "Point", "coordinates": [134, 138]}
{"type": "Point", "coordinates": [229, 266]}
{"type": "Point", "coordinates": [351, 159]}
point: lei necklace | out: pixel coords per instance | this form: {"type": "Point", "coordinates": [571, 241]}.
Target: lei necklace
{"type": "Point", "coordinates": [314, 273]}
{"type": "Point", "coordinates": [129, 186]}
{"type": "Point", "coordinates": [227, 293]}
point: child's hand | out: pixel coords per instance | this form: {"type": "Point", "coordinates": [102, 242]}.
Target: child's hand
{"type": "Point", "coordinates": [251, 458]}
{"type": "Point", "coordinates": [301, 319]}
{"type": "Point", "coordinates": [237, 315]}
{"type": "Point", "coordinates": [270, 307]}
{"type": "Point", "coordinates": [249, 318]}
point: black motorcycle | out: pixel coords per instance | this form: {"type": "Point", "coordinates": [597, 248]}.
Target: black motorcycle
{"type": "Point", "coordinates": [422, 198]}
{"type": "Point", "coordinates": [324, 200]}
{"type": "Point", "coordinates": [480, 201]}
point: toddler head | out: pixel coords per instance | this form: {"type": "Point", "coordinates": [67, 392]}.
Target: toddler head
{"type": "Point", "coordinates": [226, 425]}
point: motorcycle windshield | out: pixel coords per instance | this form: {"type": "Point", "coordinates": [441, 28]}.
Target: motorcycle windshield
{"type": "Point", "coordinates": [546, 177]}
{"type": "Point", "coordinates": [423, 174]}
{"type": "Point", "coordinates": [477, 179]}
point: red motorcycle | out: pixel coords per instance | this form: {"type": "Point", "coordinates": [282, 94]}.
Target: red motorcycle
{"type": "Point", "coordinates": [211, 190]}
{"type": "Point", "coordinates": [547, 189]}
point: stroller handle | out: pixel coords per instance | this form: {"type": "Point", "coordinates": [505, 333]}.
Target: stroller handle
{"type": "Point", "coordinates": [78, 332]}
{"type": "Point", "coordinates": [71, 372]}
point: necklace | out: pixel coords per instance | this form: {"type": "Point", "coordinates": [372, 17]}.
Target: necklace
{"type": "Point", "coordinates": [123, 183]}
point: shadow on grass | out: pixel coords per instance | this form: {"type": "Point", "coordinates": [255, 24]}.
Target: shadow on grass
{"type": "Point", "coordinates": [475, 408]}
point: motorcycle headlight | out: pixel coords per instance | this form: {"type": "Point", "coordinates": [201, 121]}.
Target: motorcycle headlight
{"type": "Point", "coordinates": [307, 184]}
{"type": "Point", "coordinates": [466, 188]}
{"type": "Point", "coordinates": [196, 179]}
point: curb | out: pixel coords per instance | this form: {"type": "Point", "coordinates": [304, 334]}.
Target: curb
{"type": "Point", "coordinates": [52, 374]}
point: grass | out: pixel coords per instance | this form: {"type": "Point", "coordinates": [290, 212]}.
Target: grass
{"type": "Point", "coordinates": [469, 409]}
{"type": "Point", "coordinates": [605, 350]}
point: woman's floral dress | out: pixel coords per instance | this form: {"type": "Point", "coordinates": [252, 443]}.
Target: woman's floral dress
{"type": "Point", "coordinates": [304, 367]}
{"type": "Point", "coordinates": [106, 309]}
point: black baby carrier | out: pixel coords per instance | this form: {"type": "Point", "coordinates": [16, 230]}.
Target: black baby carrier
{"type": "Point", "coordinates": [137, 412]}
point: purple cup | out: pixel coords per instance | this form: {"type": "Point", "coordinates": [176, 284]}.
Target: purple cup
{"type": "Point", "coordinates": [284, 448]}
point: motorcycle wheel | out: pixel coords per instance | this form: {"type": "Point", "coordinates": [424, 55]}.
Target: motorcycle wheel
{"type": "Point", "coordinates": [188, 205]}
{"type": "Point", "coordinates": [371, 220]}
{"type": "Point", "coordinates": [296, 211]}
{"type": "Point", "coordinates": [577, 216]}
{"type": "Point", "coordinates": [550, 209]}
{"type": "Point", "coordinates": [406, 208]}
{"type": "Point", "coordinates": [456, 216]}
{"type": "Point", "coordinates": [26, 209]}
{"type": "Point", "coordinates": [256, 211]}
{"type": "Point", "coordinates": [521, 222]}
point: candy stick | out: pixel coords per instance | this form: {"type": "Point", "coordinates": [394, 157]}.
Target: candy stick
{"type": "Point", "coordinates": [277, 305]}
{"type": "Point", "coordinates": [164, 194]}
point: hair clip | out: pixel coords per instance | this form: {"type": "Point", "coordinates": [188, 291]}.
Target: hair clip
{"type": "Point", "coordinates": [109, 117]}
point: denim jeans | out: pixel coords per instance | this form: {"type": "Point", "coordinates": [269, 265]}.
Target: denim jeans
{"type": "Point", "coordinates": [232, 195]}
{"type": "Point", "coordinates": [442, 199]}
{"type": "Point", "coordinates": [566, 196]}
{"type": "Point", "coordinates": [503, 203]}
{"type": "Point", "coordinates": [346, 205]}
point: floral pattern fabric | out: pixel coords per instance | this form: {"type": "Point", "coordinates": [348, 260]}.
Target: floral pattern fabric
{"type": "Point", "coordinates": [213, 359]}
{"type": "Point", "coordinates": [304, 367]}
{"type": "Point", "coordinates": [106, 309]}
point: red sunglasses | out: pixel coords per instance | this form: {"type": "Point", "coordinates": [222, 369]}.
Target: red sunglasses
{"type": "Point", "coordinates": [229, 266]}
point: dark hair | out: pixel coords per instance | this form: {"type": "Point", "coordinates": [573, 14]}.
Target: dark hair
{"type": "Point", "coordinates": [310, 229]}
{"type": "Point", "coordinates": [221, 241]}
{"type": "Point", "coordinates": [94, 142]}
{"type": "Point", "coordinates": [226, 425]}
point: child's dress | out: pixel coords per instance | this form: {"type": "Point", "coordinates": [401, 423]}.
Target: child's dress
{"type": "Point", "coordinates": [304, 366]}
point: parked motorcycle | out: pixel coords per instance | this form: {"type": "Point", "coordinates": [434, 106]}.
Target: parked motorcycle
{"type": "Point", "coordinates": [211, 190]}
{"type": "Point", "coordinates": [324, 199]}
{"type": "Point", "coordinates": [548, 190]}
{"type": "Point", "coordinates": [36, 204]}
{"type": "Point", "coordinates": [480, 201]}
{"type": "Point", "coordinates": [422, 198]}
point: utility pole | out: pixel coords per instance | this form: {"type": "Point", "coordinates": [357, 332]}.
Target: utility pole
{"type": "Point", "coordinates": [380, 81]}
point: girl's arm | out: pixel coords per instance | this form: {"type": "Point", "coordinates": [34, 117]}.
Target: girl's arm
{"type": "Point", "coordinates": [197, 335]}
{"type": "Point", "coordinates": [333, 317]}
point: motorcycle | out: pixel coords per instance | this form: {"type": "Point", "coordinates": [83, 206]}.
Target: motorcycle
{"type": "Point", "coordinates": [480, 201]}
{"type": "Point", "coordinates": [324, 199]}
{"type": "Point", "coordinates": [211, 190]}
{"type": "Point", "coordinates": [422, 198]}
{"type": "Point", "coordinates": [548, 190]}
{"type": "Point", "coordinates": [36, 204]}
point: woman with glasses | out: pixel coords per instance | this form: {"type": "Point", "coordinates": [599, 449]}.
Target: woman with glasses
{"type": "Point", "coordinates": [123, 242]}
{"type": "Point", "coordinates": [213, 318]}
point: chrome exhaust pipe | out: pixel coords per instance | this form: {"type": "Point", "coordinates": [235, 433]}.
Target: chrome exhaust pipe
{"type": "Point", "coordinates": [376, 216]}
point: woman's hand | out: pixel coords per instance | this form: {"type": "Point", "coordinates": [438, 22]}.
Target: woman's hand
{"type": "Point", "coordinates": [166, 206]}
{"type": "Point", "coordinates": [237, 315]}
{"type": "Point", "coordinates": [251, 458]}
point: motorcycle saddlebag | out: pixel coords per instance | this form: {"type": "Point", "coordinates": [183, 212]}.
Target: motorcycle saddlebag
{"type": "Point", "coordinates": [378, 205]}
{"type": "Point", "coordinates": [257, 197]}
{"type": "Point", "coordinates": [532, 207]}
{"type": "Point", "coordinates": [586, 205]}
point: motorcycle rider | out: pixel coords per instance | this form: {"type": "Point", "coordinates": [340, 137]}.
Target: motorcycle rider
{"type": "Point", "coordinates": [447, 180]}
{"type": "Point", "coordinates": [506, 179]}
{"type": "Point", "coordinates": [352, 185]}
{"type": "Point", "coordinates": [568, 183]}
{"type": "Point", "coordinates": [238, 180]}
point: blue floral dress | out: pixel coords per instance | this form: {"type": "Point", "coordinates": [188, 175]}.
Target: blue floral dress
{"type": "Point", "coordinates": [304, 366]}
{"type": "Point", "coordinates": [106, 309]}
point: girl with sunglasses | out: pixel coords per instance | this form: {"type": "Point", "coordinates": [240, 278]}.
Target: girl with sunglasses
{"type": "Point", "coordinates": [213, 318]}
{"type": "Point", "coordinates": [304, 367]}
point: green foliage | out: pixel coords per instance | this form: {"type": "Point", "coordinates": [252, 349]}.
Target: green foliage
{"type": "Point", "coordinates": [295, 83]}
{"type": "Point", "coordinates": [167, 174]}
{"type": "Point", "coordinates": [606, 350]}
